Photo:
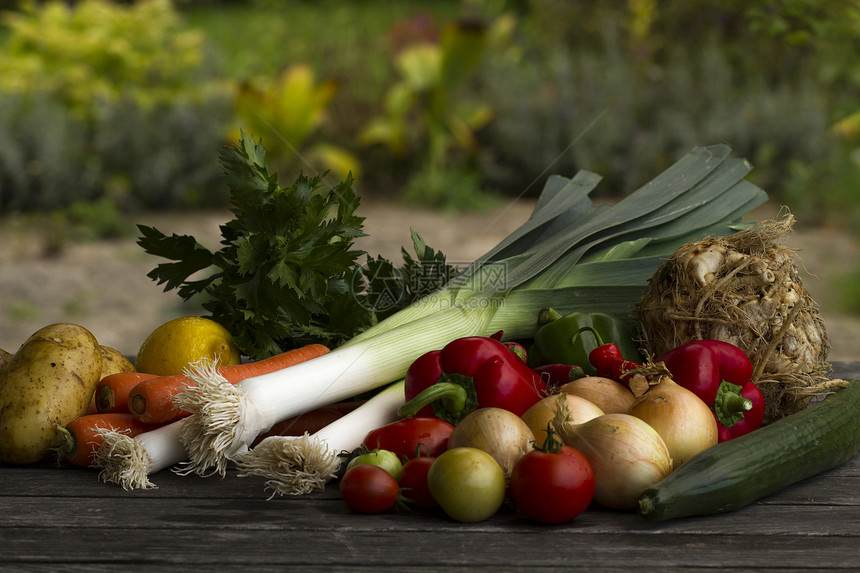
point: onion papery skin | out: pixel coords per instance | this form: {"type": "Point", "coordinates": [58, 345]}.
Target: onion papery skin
{"type": "Point", "coordinates": [607, 394]}
{"type": "Point", "coordinates": [682, 419]}
{"type": "Point", "coordinates": [541, 414]}
{"type": "Point", "coordinates": [627, 455]}
{"type": "Point", "coordinates": [499, 432]}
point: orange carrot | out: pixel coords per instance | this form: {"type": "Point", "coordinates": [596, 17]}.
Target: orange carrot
{"type": "Point", "coordinates": [112, 391]}
{"type": "Point", "coordinates": [78, 441]}
{"type": "Point", "coordinates": [151, 401]}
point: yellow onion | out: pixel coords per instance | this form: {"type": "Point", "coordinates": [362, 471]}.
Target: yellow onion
{"type": "Point", "coordinates": [539, 416]}
{"type": "Point", "coordinates": [626, 455]}
{"type": "Point", "coordinates": [681, 418]}
{"type": "Point", "coordinates": [607, 394]}
{"type": "Point", "coordinates": [499, 432]}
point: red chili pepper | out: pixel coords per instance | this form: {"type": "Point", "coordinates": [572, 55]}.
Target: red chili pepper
{"type": "Point", "coordinates": [719, 373]}
{"type": "Point", "coordinates": [609, 363]}
{"type": "Point", "coordinates": [518, 349]}
{"type": "Point", "coordinates": [411, 437]}
{"type": "Point", "coordinates": [559, 374]}
{"type": "Point", "coordinates": [469, 373]}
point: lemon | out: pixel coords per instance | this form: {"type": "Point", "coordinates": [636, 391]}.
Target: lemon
{"type": "Point", "coordinates": [171, 347]}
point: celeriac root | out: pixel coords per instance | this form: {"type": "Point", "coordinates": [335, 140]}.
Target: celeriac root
{"type": "Point", "coordinates": [744, 289]}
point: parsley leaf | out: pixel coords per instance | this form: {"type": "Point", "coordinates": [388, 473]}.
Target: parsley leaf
{"type": "Point", "coordinates": [287, 273]}
{"type": "Point", "coordinates": [391, 289]}
{"type": "Point", "coordinates": [283, 274]}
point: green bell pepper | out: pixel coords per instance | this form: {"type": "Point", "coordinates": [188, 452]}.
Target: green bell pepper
{"type": "Point", "coordinates": [570, 338]}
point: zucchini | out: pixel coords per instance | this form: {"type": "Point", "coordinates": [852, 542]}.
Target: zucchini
{"type": "Point", "coordinates": [737, 472]}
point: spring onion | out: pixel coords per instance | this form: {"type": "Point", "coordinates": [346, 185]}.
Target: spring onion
{"type": "Point", "coordinates": [570, 254]}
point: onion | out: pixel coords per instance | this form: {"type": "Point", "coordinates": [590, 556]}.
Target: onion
{"type": "Point", "coordinates": [539, 416]}
{"type": "Point", "coordinates": [607, 394]}
{"type": "Point", "coordinates": [681, 418]}
{"type": "Point", "coordinates": [499, 432]}
{"type": "Point", "coordinates": [626, 454]}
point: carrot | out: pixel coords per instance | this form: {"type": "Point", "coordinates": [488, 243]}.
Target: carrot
{"type": "Point", "coordinates": [151, 401]}
{"type": "Point", "coordinates": [112, 391]}
{"type": "Point", "coordinates": [78, 441]}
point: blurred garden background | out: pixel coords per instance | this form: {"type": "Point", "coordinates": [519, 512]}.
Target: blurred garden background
{"type": "Point", "coordinates": [113, 111]}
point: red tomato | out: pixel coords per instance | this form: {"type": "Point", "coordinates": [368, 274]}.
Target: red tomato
{"type": "Point", "coordinates": [411, 437]}
{"type": "Point", "coordinates": [413, 482]}
{"type": "Point", "coordinates": [552, 487]}
{"type": "Point", "coordinates": [367, 488]}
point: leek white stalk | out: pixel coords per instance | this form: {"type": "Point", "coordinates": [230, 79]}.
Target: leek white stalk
{"type": "Point", "coordinates": [227, 418]}
{"type": "Point", "coordinates": [296, 465]}
{"type": "Point", "coordinates": [569, 254]}
{"type": "Point", "coordinates": [129, 462]}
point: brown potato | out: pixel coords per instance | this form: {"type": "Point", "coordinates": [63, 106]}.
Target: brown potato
{"type": "Point", "coordinates": [5, 357]}
{"type": "Point", "coordinates": [49, 381]}
{"type": "Point", "coordinates": [113, 362]}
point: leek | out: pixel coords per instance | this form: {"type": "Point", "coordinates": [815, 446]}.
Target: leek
{"type": "Point", "coordinates": [569, 254]}
{"type": "Point", "coordinates": [128, 461]}
{"type": "Point", "coordinates": [296, 465]}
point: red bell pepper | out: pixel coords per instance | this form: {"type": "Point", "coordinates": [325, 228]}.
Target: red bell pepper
{"type": "Point", "coordinates": [469, 373]}
{"type": "Point", "coordinates": [732, 423]}
{"type": "Point", "coordinates": [700, 366]}
{"type": "Point", "coordinates": [720, 374]}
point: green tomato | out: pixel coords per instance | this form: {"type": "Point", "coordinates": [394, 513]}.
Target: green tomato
{"type": "Point", "coordinates": [385, 459]}
{"type": "Point", "coordinates": [467, 483]}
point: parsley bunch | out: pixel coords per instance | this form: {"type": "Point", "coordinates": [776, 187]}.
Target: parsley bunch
{"type": "Point", "coordinates": [287, 273]}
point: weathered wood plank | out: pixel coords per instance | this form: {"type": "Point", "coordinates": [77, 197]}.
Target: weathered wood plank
{"type": "Point", "coordinates": [782, 517]}
{"type": "Point", "coordinates": [449, 547]}
{"type": "Point", "coordinates": [65, 519]}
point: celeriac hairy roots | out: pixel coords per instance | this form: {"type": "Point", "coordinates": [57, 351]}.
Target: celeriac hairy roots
{"type": "Point", "coordinates": [744, 289]}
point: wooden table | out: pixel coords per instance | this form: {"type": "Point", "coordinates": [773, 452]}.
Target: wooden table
{"type": "Point", "coordinates": [64, 519]}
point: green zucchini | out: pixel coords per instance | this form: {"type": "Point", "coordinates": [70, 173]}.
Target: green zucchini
{"type": "Point", "coordinates": [737, 472]}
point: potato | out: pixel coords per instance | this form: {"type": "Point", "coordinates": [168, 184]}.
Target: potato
{"type": "Point", "coordinates": [4, 357]}
{"type": "Point", "coordinates": [113, 362]}
{"type": "Point", "coordinates": [49, 381]}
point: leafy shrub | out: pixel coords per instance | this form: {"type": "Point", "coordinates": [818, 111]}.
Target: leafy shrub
{"type": "Point", "coordinates": [290, 110]}
{"type": "Point", "coordinates": [102, 100]}
{"type": "Point", "coordinates": [625, 108]}
{"type": "Point", "coordinates": [98, 53]}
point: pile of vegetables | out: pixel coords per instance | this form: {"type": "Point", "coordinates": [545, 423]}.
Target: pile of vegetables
{"type": "Point", "coordinates": [570, 365]}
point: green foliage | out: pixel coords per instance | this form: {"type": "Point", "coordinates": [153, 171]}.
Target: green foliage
{"type": "Point", "coordinates": [426, 114]}
{"type": "Point", "coordinates": [287, 273]}
{"type": "Point", "coordinates": [99, 53]}
{"type": "Point", "coordinates": [103, 101]}
{"type": "Point", "coordinates": [391, 289]}
{"type": "Point", "coordinates": [289, 110]}
{"type": "Point", "coordinates": [283, 275]}
{"type": "Point", "coordinates": [623, 92]}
